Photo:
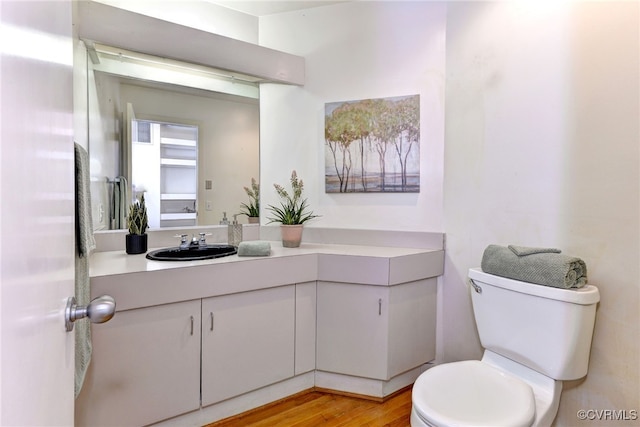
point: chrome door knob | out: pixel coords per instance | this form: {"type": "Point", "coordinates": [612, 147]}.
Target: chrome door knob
{"type": "Point", "coordinates": [99, 310]}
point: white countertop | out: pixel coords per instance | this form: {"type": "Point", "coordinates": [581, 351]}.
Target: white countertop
{"type": "Point", "coordinates": [136, 282]}
{"type": "Point", "coordinates": [119, 262]}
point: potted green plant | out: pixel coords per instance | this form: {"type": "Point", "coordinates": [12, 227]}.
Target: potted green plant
{"type": "Point", "coordinates": [292, 213]}
{"type": "Point", "coordinates": [252, 210]}
{"type": "Point", "coordinates": [137, 221]}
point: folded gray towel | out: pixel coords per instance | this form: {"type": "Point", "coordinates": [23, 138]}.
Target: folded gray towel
{"type": "Point", "coordinates": [524, 250]}
{"type": "Point", "coordinates": [542, 266]}
{"type": "Point", "coordinates": [254, 248]}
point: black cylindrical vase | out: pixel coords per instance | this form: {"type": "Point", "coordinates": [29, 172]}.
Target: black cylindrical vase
{"type": "Point", "coordinates": [136, 243]}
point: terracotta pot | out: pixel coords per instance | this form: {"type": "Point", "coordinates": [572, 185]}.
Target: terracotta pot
{"type": "Point", "coordinates": [254, 220]}
{"type": "Point", "coordinates": [136, 243]}
{"type": "Point", "coordinates": [291, 235]}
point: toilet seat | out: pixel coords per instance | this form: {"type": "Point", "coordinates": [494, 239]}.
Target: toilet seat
{"type": "Point", "coordinates": [472, 393]}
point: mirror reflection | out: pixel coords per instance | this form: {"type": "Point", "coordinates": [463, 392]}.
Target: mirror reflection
{"type": "Point", "coordinates": [171, 191]}
{"type": "Point", "coordinates": [190, 150]}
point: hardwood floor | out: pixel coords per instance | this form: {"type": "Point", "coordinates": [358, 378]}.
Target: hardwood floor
{"type": "Point", "coordinates": [317, 408]}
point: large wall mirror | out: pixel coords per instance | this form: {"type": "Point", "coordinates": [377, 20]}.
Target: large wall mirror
{"type": "Point", "coordinates": [185, 136]}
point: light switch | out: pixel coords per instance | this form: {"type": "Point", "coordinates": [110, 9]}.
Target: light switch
{"type": "Point", "coordinates": [207, 184]}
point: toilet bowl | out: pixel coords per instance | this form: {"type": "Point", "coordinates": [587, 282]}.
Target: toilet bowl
{"type": "Point", "coordinates": [534, 338]}
{"type": "Point", "coordinates": [492, 392]}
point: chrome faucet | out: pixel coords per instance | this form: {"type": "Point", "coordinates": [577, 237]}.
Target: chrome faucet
{"type": "Point", "coordinates": [194, 242]}
{"type": "Point", "coordinates": [184, 243]}
{"type": "Point", "coordinates": [203, 242]}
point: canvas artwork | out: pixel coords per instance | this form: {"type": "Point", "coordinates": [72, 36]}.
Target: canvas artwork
{"type": "Point", "coordinates": [373, 145]}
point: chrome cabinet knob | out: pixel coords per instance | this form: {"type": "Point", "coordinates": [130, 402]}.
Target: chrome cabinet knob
{"type": "Point", "coordinates": [99, 310]}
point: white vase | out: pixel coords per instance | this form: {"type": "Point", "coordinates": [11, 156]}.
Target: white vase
{"type": "Point", "coordinates": [291, 235]}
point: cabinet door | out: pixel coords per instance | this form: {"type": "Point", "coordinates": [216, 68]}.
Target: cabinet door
{"type": "Point", "coordinates": [145, 367]}
{"type": "Point", "coordinates": [352, 329]}
{"type": "Point", "coordinates": [412, 325]}
{"type": "Point", "coordinates": [247, 342]}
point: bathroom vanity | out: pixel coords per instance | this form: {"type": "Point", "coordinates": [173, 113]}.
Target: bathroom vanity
{"type": "Point", "coordinates": [205, 340]}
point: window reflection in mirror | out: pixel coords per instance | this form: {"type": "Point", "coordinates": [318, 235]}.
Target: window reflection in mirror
{"type": "Point", "coordinates": [171, 190]}
{"type": "Point", "coordinates": [225, 156]}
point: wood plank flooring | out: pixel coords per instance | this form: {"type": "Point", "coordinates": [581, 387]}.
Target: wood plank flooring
{"type": "Point", "coordinates": [317, 408]}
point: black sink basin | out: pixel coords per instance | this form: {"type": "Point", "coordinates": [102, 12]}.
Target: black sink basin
{"type": "Point", "coordinates": [194, 253]}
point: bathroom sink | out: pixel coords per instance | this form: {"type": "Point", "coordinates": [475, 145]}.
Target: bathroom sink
{"type": "Point", "coordinates": [193, 253]}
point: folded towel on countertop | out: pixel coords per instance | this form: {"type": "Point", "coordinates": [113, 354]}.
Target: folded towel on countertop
{"type": "Point", "coordinates": [542, 266]}
{"type": "Point", "coordinates": [254, 248]}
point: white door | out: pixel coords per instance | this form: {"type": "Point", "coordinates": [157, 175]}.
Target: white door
{"type": "Point", "coordinates": [36, 213]}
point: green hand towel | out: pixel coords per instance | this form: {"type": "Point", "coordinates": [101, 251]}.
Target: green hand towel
{"type": "Point", "coordinates": [254, 248]}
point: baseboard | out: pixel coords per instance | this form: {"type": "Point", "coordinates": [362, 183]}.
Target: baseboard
{"type": "Point", "coordinates": [360, 396]}
{"type": "Point", "coordinates": [325, 382]}
{"type": "Point", "coordinates": [241, 404]}
{"type": "Point", "coordinates": [358, 386]}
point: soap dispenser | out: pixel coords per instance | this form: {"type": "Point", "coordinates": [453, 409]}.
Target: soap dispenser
{"type": "Point", "coordinates": [224, 220]}
{"type": "Point", "coordinates": [235, 232]}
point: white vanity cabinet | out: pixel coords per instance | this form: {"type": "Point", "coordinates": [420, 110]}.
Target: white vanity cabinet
{"type": "Point", "coordinates": [376, 331]}
{"type": "Point", "coordinates": [153, 363]}
{"type": "Point", "coordinates": [145, 367]}
{"type": "Point", "coordinates": [355, 319]}
{"type": "Point", "coordinates": [247, 341]}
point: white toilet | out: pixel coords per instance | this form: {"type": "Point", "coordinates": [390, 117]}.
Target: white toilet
{"type": "Point", "coordinates": [534, 338]}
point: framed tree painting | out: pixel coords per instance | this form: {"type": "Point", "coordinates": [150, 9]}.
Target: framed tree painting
{"type": "Point", "coordinates": [373, 145]}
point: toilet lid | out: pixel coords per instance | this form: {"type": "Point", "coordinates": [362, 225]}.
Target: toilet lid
{"type": "Point", "coordinates": [472, 393]}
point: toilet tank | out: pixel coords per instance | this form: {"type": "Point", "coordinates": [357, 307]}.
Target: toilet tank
{"type": "Point", "coordinates": [547, 329]}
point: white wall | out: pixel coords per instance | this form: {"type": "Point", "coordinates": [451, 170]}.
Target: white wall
{"type": "Point", "coordinates": [541, 146]}
{"type": "Point", "coordinates": [542, 149]}
{"type": "Point", "coordinates": [354, 51]}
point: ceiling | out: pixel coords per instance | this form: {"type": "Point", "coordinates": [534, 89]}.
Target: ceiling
{"type": "Point", "coordinates": [270, 7]}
